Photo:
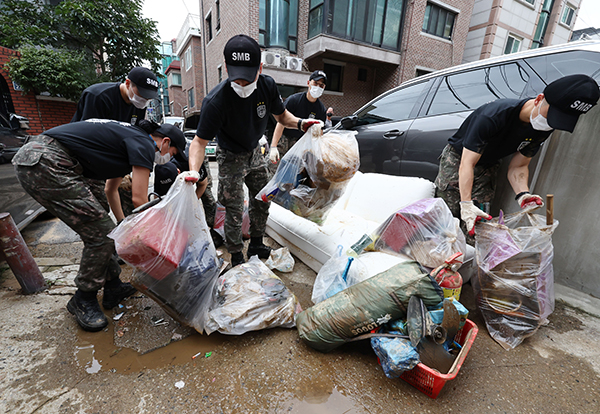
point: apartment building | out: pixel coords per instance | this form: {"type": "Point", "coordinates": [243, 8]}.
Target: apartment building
{"type": "Point", "coordinates": [505, 26]}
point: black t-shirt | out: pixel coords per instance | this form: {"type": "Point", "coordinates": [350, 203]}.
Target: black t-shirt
{"type": "Point", "coordinates": [238, 123]}
{"type": "Point", "coordinates": [299, 105]}
{"type": "Point", "coordinates": [104, 101]}
{"type": "Point", "coordinates": [495, 131]}
{"type": "Point", "coordinates": [106, 149]}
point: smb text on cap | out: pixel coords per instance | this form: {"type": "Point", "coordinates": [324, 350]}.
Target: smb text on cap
{"type": "Point", "coordinates": [242, 57]}
{"type": "Point", "coordinates": [145, 81]}
{"type": "Point", "coordinates": [570, 97]}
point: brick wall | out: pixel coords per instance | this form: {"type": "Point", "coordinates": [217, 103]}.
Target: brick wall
{"type": "Point", "coordinates": [426, 51]}
{"type": "Point", "coordinates": [42, 113]}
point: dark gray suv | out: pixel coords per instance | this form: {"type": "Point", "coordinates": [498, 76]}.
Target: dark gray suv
{"type": "Point", "coordinates": [403, 131]}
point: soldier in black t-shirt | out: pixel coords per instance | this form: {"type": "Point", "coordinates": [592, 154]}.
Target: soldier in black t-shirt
{"type": "Point", "coordinates": [235, 112]}
{"type": "Point", "coordinates": [56, 170]}
{"type": "Point", "coordinates": [303, 105]}
{"type": "Point", "coordinates": [469, 164]}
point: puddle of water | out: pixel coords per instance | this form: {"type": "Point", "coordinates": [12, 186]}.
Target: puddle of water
{"type": "Point", "coordinates": [319, 403]}
{"type": "Point", "coordinates": [96, 351]}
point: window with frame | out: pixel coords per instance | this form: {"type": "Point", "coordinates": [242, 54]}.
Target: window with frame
{"type": "Point", "coordinates": [209, 34]}
{"type": "Point", "coordinates": [553, 66]}
{"type": "Point", "coordinates": [513, 44]}
{"type": "Point", "coordinates": [374, 22]}
{"type": "Point", "coordinates": [438, 21]}
{"type": "Point", "coordinates": [218, 15]}
{"type": "Point", "coordinates": [567, 15]}
{"type": "Point", "coordinates": [469, 90]}
{"type": "Point", "coordinates": [187, 58]}
{"type": "Point", "coordinates": [395, 106]}
{"type": "Point", "coordinates": [191, 101]}
{"type": "Point", "coordinates": [278, 24]}
{"type": "Point", "coordinates": [335, 76]}
{"type": "Point", "coordinates": [529, 1]}
{"type": "Point", "coordinates": [175, 79]}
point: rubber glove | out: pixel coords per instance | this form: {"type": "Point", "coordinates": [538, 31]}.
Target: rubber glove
{"type": "Point", "coordinates": [471, 215]}
{"type": "Point", "coordinates": [274, 155]}
{"type": "Point", "coordinates": [189, 176]}
{"type": "Point", "coordinates": [307, 123]}
{"type": "Point", "coordinates": [527, 200]}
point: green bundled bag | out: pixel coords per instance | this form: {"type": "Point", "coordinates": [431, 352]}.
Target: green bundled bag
{"type": "Point", "coordinates": [366, 306]}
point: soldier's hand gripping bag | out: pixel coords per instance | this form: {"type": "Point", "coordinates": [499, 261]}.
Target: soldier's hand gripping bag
{"type": "Point", "coordinates": [514, 285]}
{"type": "Point", "coordinates": [367, 305]}
{"type": "Point", "coordinates": [314, 173]}
{"type": "Point", "coordinates": [173, 254]}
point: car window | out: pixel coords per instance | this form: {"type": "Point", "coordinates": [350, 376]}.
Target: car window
{"type": "Point", "coordinates": [470, 90]}
{"type": "Point", "coordinates": [395, 106]}
{"type": "Point", "coordinates": [552, 67]}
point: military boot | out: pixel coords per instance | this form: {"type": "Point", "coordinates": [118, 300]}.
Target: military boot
{"type": "Point", "coordinates": [237, 258]}
{"type": "Point", "coordinates": [115, 291]}
{"type": "Point", "coordinates": [86, 309]}
{"type": "Point", "coordinates": [258, 248]}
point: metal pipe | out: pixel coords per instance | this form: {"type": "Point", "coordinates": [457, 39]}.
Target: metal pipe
{"type": "Point", "coordinates": [19, 257]}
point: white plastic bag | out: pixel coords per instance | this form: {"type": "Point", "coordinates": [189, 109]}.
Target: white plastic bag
{"type": "Point", "coordinates": [251, 297]}
{"type": "Point", "coordinates": [281, 259]}
{"type": "Point", "coordinates": [314, 173]}
{"type": "Point", "coordinates": [337, 274]}
{"type": "Point", "coordinates": [172, 251]}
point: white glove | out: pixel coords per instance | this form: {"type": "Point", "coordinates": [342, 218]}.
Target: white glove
{"type": "Point", "coordinates": [471, 215]}
{"type": "Point", "coordinates": [274, 155]}
{"type": "Point", "coordinates": [189, 176]}
{"type": "Point", "coordinates": [529, 200]}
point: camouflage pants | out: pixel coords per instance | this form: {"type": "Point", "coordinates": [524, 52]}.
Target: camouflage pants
{"type": "Point", "coordinates": [235, 170]}
{"type": "Point", "coordinates": [54, 179]}
{"type": "Point", "coordinates": [283, 146]}
{"type": "Point", "coordinates": [208, 199]}
{"type": "Point", "coordinates": [446, 182]}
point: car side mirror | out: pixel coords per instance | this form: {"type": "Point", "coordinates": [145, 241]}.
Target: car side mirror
{"type": "Point", "coordinates": [349, 122]}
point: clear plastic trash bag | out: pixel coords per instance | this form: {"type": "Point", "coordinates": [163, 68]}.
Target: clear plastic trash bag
{"type": "Point", "coordinates": [281, 259]}
{"type": "Point", "coordinates": [514, 285]}
{"type": "Point", "coordinates": [314, 173]}
{"type": "Point", "coordinates": [175, 260]}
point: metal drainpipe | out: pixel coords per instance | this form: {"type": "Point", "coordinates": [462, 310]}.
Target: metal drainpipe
{"type": "Point", "coordinates": [19, 257]}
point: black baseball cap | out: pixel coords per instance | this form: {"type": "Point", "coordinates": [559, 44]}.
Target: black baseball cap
{"type": "Point", "coordinates": [145, 81]}
{"type": "Point", "coordinates": [164, 177]}
{"type": "Point", "coordinates": [318, 75]}
{"type": "Point", "coordinates": [242, 57]}
{"type": "Point", "coordinates": [570, 97]}
{"type": "Point", "coordinates": [177, 138]}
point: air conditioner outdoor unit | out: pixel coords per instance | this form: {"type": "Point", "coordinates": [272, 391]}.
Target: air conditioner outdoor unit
{"type": "Point", "coordinates": [294, 63]}
{"type": "Point", "coordinates": [270, 58]}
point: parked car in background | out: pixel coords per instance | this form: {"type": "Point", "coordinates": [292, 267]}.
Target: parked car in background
{"type": "Point", "coordinates": [403, 131]}
{"type": "Point", "coordinates": [211, 147]}
{"type": "Point", "coordinates": [178, 121]}
{"type": "Point", "coordinates": [13, 199]}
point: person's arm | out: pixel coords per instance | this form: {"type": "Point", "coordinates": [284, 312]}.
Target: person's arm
{"type": "Point", "coordinates": [518, 173]}
{"type": "Point", "coordinates": [112, 195]}
{"type": "Point", "coordinates": [201, 187]}
{"type": "Point", "coordinates": [197, 151]}
{"type": "Point", "coordinates": [518, 177]}
{"type": "Point", "coordinates": [466, 173]}
{"type": "Point", "coordinates": [277, 135]}
{"type": "Point", "coordinates": [139, 185]}
{"type": "Point", "coordinates": [288, 120]}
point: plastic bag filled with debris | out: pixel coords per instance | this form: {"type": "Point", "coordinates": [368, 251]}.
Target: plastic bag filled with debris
{"type": "Point", "coordinates": [514, 285]}
{"type": "Point", "coordinates": [281, 259]}
{"type": "Point", "coordinates": [250, 297]}
{"type": "Point", "coordinates": [425, 231]}
{"type": "Point", "coordinates": [396, 355]}
{"type": "Point", "coordinates": [175, 260]}
{"type": "Point", "coordinates": [314, 173]}
{"type": "Point", "coordinates": [337, 274]}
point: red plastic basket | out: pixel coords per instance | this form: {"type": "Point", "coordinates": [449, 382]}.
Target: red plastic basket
{"type": "Point", "coordinates": [430, 381]}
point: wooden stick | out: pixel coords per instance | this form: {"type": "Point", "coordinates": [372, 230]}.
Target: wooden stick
{"type": "Point", "coordinates": [549, 209]}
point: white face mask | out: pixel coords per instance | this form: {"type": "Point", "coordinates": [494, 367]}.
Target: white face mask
{"type": "Point", "coordinates": [137, 101]}
{"type": "Point", "coordinates": [539, 123]}
{"type": "Point", "coordinates": [316, 91]}
{"type": "Point", "coordinates": [161, 159]}
{"type": "Point", "coordinates": [244, 91]}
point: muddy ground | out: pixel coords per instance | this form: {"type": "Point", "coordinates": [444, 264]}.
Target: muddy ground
{"type": "Point", "coordinates": [49, 365]}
